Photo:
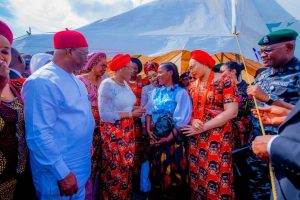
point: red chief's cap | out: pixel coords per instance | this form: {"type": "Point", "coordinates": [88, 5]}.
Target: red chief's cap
{"type": "Point", "coordinates": [69, 39]}
{"type": "Point", "coordinates": [203, 58]}
{"type": "Point", "coordinates": [6, 32]}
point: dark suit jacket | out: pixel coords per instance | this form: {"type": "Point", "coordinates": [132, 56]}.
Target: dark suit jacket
{"type": "Point", "coordinates": [285, 155]}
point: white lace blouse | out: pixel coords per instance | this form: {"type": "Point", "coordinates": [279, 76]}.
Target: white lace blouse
{"type": "Point", "coordinates": [114, 98]}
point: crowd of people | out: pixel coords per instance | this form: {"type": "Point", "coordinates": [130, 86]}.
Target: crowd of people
{"type": "Point", "coordinates": [70, 131]}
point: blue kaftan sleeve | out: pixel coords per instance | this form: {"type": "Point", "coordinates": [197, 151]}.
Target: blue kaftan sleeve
{"type": "Point", "coordinates": [41, 103]}
{"type": "Point", "coordinates": [150, 104]}
{"type": "Point", "coordinates": [183, 111]}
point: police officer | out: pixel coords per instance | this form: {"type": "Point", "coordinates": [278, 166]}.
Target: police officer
{"type": "Point", "coordinates": [278, 85]}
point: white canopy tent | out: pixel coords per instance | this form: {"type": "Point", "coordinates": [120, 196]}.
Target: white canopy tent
{"type": "Point", "coordinates": [165, 25]}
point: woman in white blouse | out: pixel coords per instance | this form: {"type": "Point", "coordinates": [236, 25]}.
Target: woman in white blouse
{"type": "Point", "coordinates": [116, 109]}
{"type": "Point", "coordinates": [168, 158]}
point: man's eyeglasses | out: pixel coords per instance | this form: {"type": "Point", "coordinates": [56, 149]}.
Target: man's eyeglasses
{"type": "Point", "coordinates": [268, 51]}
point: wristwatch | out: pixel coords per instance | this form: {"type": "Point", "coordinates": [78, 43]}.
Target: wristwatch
{"type": "Point", "coordinates": [271, 100]}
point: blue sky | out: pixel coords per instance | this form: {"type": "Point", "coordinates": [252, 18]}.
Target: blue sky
{"type": "Point", "coordinates": [53, 15]}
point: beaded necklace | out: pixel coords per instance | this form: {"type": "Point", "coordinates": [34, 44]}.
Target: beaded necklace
{"type": "Point", "coordinates": [199, 114]}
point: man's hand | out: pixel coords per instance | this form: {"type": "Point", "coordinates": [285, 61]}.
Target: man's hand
{"type": "Point", "coordinates": [271, 115]}
{"type": "Point", "coordinates": [68, 186]}
{"type": "Point", "coordinates": [258, 93]}
{"type": "Point", "coordinates": [259, 147]}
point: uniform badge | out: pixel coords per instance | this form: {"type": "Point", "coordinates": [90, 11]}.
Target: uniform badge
{"type": "Point", "coordinates": [266, 40]}
{"type": "Point", "coordinates": [262, 76]}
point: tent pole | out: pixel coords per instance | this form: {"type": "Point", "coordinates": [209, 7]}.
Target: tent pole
{"type": "Point", "coordinates": [233, 16]}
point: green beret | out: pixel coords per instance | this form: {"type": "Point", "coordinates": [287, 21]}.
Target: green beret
{"type": "Point", "coordinates": [282, 35]}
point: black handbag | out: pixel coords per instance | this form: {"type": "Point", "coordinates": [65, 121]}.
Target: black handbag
{"type": "Point", "coordinates": [164, 125]}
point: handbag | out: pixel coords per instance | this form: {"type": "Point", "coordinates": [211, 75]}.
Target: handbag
{"type": "Point", "coordinates": [164, 125]}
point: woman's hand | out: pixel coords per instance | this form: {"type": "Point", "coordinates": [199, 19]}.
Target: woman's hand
{"type": "Point", "coordinates": [4, 72]}
{"type": "Point", "coordinates": [189, 130]}
{"type": "Point", "coordinates": [196, 128]}
{"type": "Point", "coordinates": [196, 123]}
{"type": "Point", "coordinates": [138, 111]}
{"type": "Point", "coordinates": [152, 136]}
{"type": "Point", "coordinates": [271, 115]}
{"type": "Point", "coordinates": [163, 140]}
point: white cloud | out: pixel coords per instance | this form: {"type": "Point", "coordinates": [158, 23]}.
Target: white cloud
{"type": "Point", "coordinates": [53, 15]}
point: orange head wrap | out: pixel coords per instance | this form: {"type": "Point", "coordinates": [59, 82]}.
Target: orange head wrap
{"type": "Point", "coordinates": [119, 61]}
{"type": "Point", "coordinates": [203, 58]}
